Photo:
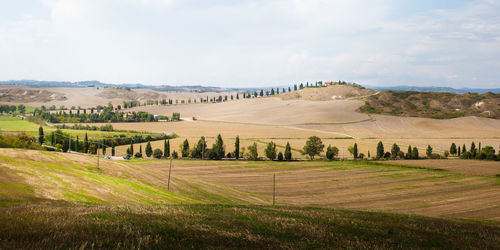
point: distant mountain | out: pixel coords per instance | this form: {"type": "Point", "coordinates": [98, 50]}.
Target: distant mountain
{"type": "Point", "coordinates": [56, 84]}
{"type": "Point", "coordinates": [434, 89]}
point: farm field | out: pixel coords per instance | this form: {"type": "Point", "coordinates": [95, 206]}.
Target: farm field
{"type": "Point", "coordinates": [16, 124]}
{"type": "Point", "coordinates": [472, 167]}
{"type": "Point", "coordinates": [40, 177]}
{"type": "Point", "coordinates": [297, 136]}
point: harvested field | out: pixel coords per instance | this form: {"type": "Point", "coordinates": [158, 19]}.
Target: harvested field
{"type": "Point", "coordinates": [468, 167]}
{"type": "Point", "coordinates": [334, 92]}
{"type": "Point", "coordinates": [39, 176]}
{"type": "Point", "coordinates": [269, 111]}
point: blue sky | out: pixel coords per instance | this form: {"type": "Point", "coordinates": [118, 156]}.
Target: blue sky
{"type": "Point", "coordinates": [252, 43]}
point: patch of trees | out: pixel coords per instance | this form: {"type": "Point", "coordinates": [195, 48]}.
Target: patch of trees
{"type": "Point", "coordinates": [9, 109]}
{"type": "Point", "coordinates": [62, 141]}
{"type": "Point", "coordinates": [20, 140]}
{"type": "Point", "coordinates": [105, 115]}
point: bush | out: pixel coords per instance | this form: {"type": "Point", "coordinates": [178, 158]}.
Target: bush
{"type": "Point", "coordinates": [138, 155]}
{"type": "Point", "coordinates": [157, 153]}
{"type": "Point", "coordinates": [280, 156]}
{"type": "Point", "coordinates": [175, 155]}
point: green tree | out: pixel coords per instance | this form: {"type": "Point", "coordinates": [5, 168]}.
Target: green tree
{"type": "Point", "coordinates": [40, 135]}
{"type": "Point", "coordinates": [175, 155]}
{"type": "Point", "coordinates": [408, 154]}
{"type": "Point", "coordinates": [86, 143]}
{"type": "Point", "coordinates": [132, 149]}
{"type": "Point", "coordinates": [380, 150]}
{"type": "Point", "coordinates": [157, 153]}
{"type": "Point", "coordinates": [355, 151]}
{"type": "Point", "coordinates": [314, 146]}
{"type": "Point", "coordinates": [288, 152]}
{"type": "Point", "coordinates": [218, 148]}
{"type": "Point", "coordinates": [428, 152]}
{"type": "Point", "coordinates": [280, 156]}
{"type": "Point", "coordinates": [21, 108]}
{"type": "Point", "coordinates": [185, 148]}
{"type": "Point", "coordinates": [331, 152]}
{"type": "Point", "coordinates": [140, 149]}
{"type": "Point", "coordinates": [77, 142]}
{"type": "Point", "coordinates": [113, 150]}
{"type": "Point", "coordinates": [395, 150]}
{"type": "Point", "coordinates": [149, 149]}
{"type": "Point", "coordinates": [453, 149]}
{"type": "Point", "coordinates": [473, 150]}
{"type": "Point", "coordinates": [271, 151]}
{"type": "Point", "coordinates": [166, 148]}
{"type": "Point", "coordinates": [199, 149]}
{"type": "Point", "coordinates": [252, 152]}
{"type": "Point", "coordinates": [414, 153]}
{"type": "Point", "coordinates": [237, 148]}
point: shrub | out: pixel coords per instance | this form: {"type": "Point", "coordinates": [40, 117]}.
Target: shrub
{"type": "Point", "coordinates": [138, 155]}
{"type": "Point", "coordinates": [280, 156]}
{"type": "Point", "coordinates": [175, 155]}
{"type": "Point", "coordinates": [157, 153]}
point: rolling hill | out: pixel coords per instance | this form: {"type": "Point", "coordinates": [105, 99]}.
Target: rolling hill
{"type": "Point", "coordinates": [439, 105]}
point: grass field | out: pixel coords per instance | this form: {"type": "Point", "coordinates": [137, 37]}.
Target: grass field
{"type": "Point", "coordinates": [61, 200]}
{"type": "Point", "coordinates": [233, 227]}
{"type": "Point", "coordinates": [16, 124]}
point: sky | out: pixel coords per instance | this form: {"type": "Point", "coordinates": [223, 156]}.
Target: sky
{"type": "Point", "coordinates": [231, 43]}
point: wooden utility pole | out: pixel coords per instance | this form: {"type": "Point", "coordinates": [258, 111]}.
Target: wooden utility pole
{"type": "Point", "coordinates": [169, 171]}
{"type": "Point", "coordinates": [274, 188]}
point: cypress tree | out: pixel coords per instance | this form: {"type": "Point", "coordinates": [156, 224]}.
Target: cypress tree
{"type": "Point", "coordinates": [76, 144]}
{"type": "Point", "coordinates": [453, 149]}
{"type": "Point", "coordinates": [40, 135]}
{"type": "Point", "coordinates": [408, 154]}
{"type": "Point", "coordinates": [458, 152]}
{"type": "Point", "coordinates": [86, 144]}
{"type": "Point", "coordinates": [288, 152]}
{"type": "Point", "coordinates": [414, 153]}
{"type": "Point", "coordinates": [140, 148]}
{"type": "Point", "coordinates": [355, 151]}
{"type": "Point", "coordinates": [237, 148]}
{"type": "Point", "coordinates": [166, 148]}
{"type": "Point", "coordinates": [131, 148]}
{"type": "Point", "coordinates": [380, 150]}
{"type": "Point", "coordinates": [428, 152]}
{"type": "Point", "coordinates": [185, 148]}
{"type": "Point", "coordinates": [218, 148]}
{"type": "Point", "coordinates": [473, 150]}
{"type": "Point", "coordinates": [149, 149]}
{"type": "Point", "coordinates": [113, 149]}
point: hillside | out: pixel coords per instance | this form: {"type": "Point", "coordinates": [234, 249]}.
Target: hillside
{"type": "Point", "coordinates": [56, 200]}
{"type": "Point", "coordinates": [29, 95]}
{"type": "Point", "coordinates": [328, 93]}
{"type": "Point", "coordinates": [438, 105]}
{"type": "Point", "coordinates": [129, 94]}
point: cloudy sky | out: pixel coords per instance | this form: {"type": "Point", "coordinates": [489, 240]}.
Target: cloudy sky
{"type": "Point", "coordinates": [252, 43]}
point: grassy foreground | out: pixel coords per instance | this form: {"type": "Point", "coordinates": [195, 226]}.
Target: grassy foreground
{"type": "Point", "coordinates": [227, 226]}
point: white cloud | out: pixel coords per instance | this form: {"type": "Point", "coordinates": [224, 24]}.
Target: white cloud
{"type": "Point", "coordinates": [252, 42]}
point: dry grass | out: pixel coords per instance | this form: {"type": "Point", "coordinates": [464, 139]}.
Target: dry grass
{"type": "Point", "coordinates": [231, 227]}
{"type": "Point", "coordinates": [360, 185]}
